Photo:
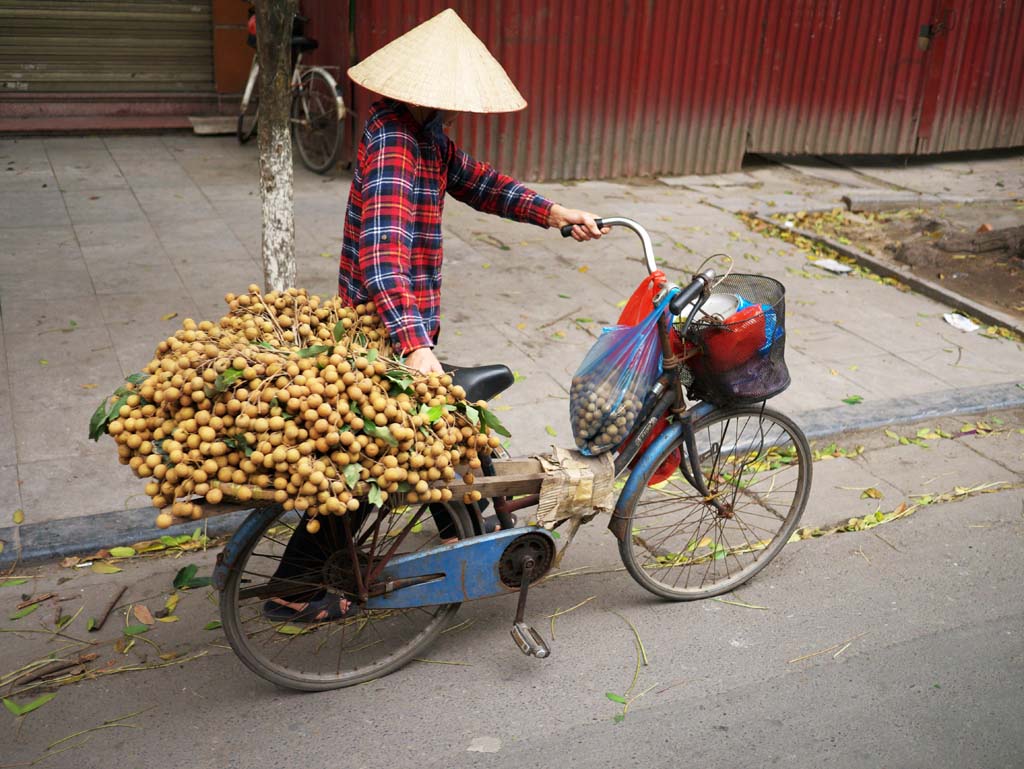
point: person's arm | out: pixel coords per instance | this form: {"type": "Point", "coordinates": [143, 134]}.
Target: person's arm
{"type": "Point", "coordinates": [385, 240]}
{"type": "Point", "coordinates": [479, 185]}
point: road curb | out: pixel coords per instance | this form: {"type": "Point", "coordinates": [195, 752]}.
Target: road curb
{"type": "Point", "coordinates": [920, 285]}
{"type": "Point", "coordinates": [53, 540]}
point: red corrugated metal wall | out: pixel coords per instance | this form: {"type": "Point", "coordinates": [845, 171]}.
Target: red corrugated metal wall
{"type": "Point", "coordinates": [840, 76]}
{"type": "Point", "coordinates": [975, 92]}
{"type": "Point", "coordinates": [643, 87]}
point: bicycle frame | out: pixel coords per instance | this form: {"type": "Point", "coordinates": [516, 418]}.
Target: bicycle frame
{"type": "Point", "coordinates": [298, 71]}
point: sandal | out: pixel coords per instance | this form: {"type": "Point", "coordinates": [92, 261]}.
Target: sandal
{"type": "Point", "coordinates": [492, 524]}
{"type": "Point", "coordinates": [325, 609]}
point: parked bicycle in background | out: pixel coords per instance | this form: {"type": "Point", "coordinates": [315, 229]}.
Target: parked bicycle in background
{"type": "Point", "coordinates": [317, 108]}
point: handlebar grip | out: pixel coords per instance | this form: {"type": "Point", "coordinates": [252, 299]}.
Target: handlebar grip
{"type": "Point", "coordinates": [691, 292]}
{"type": "Point", "coordinates": [566, 229]}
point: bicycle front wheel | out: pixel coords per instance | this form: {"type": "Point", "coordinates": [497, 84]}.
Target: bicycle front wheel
{"type": "Point", "coordinates": [682, 546]}
{"type": "Point", "coordinates": [317, 124]}
{"type": "Point", "coordinates": [278, 560]}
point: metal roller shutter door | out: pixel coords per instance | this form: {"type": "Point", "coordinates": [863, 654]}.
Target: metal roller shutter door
{"type": "Point", "coordinates": [106, 46]}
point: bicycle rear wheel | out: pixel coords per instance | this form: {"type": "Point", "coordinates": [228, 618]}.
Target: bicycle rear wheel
{"type": "Point", "coordinates": [334, 654]}
{"type": "Point", "coordinates": [756, 464]}
{"type": "Point", "coordinates": [317, 124]}
{"type": "Point", "coordinates": [249, 116]}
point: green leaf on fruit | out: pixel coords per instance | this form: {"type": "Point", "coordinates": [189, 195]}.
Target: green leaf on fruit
{"type": "Point", "coordinates": [312, 352]}
{"type": "Point", "coordinates": [490, 420]}
{"type": "Point", "coordinates": [351, 474]}
{"type": "Point", "coordinates": [383, 433]}
{"type": "Point", "coordinates": [375, 497]}
{"type": "Point", "coordinates": [225, 380]}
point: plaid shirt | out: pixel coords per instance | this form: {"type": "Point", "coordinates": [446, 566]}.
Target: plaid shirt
{"type": "Point", "coordinates": [392, 248]}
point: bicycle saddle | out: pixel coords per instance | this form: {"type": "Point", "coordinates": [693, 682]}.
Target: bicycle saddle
{"type": "Point", "coordinates": [302, 43]}
{"type": "Point", "coordinates": [481, 382]}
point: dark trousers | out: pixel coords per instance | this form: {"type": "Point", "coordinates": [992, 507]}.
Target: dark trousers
{"type": "Point", "coordinates": [305, 553]}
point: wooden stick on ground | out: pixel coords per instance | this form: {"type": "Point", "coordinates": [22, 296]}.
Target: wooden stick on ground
{"type": "Point", "coordinates": [110, 608]}
{"type": "Point", "coordinates": [36, 599]}
{"type": "Point", "coordinates": [54, 667]}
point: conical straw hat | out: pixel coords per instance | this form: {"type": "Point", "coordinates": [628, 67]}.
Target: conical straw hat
{"type": "Point", "coordinates": [440, 64]}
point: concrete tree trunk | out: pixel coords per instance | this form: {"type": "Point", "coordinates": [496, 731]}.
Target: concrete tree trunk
{"type": "Point", "coordinates": [274, 34]}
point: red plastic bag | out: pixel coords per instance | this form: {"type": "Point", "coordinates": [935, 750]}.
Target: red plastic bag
{"type": "Point", "coordinates": [734, 342]}
{"type": "Point", "coordinates": [641, 302]}
{"type": "Point", "coordinates": [636, 309]}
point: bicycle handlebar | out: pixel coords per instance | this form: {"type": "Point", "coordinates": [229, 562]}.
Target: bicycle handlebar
{"type": "Point", "coordinates": [699, 285]}
{"type": "Point", "coordinates": [620, 221]}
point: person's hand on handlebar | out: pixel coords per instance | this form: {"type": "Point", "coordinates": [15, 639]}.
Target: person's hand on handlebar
{"type": "Point", "coordinates": [584, 223]}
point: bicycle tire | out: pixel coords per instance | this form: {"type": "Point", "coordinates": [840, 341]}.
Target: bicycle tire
{"type": "Point", "coordinates": [248, 117]}
{"type": "Point", "coordinates": [696, 539]}
{"type": "Point", "coordinates": [260, 642]}
{"type": "Point", "coordinates": [317, 123]}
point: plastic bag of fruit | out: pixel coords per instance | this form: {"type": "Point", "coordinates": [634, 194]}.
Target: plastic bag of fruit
{"type": "Point", "coordinates": [610, 385]}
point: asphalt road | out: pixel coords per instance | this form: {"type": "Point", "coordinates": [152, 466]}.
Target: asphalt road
{"type": "Point", "coordinates": [922, 619]}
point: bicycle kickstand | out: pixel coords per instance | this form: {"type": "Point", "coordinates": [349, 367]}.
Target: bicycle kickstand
{"type": "Point", "coordinates": [527, 639]}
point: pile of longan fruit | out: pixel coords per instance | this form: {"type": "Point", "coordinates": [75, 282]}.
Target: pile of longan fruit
{"type": "Point", "coordinates": [298, 400]}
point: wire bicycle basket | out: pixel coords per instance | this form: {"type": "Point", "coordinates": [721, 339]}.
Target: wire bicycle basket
{"type": "Point", "coordinates": [741, 356]}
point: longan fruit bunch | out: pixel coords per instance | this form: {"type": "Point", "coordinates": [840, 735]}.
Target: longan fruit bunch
{"type": "Point", "coordinates": [293, 399]}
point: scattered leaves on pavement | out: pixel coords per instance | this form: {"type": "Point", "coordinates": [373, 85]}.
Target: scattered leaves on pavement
{"type": "Point", "coordinates": [186, 578]}
{"type": "Point", "coordinates": [23, 710]}
{"type": "Point", "coordinates": [143, 614]}
{"type": "Point", "coordinates": [23, 612]}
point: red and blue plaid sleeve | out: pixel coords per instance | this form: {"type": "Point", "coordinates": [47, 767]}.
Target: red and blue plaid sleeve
{"type": "Point", "coordinates": [385, 240]}
{"type": "Point", "coordinates": [479, 185]}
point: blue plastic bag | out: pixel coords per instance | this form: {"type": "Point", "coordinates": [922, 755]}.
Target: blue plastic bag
{"type": "Point", "coordinates": [610, 386]}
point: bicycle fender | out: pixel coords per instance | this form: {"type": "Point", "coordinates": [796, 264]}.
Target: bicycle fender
{"type": "Point", "coordinates": [253, 524]}
{"type": "Point", "coordinates": [461, 571]}
{"type": "Point", "coordinates": [634, 484]}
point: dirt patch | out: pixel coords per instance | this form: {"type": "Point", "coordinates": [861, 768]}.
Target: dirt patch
{"type": "Point", "coordinates": [976, 249]}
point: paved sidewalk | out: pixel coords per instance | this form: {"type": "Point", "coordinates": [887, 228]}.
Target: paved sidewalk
{"type": "Point", "coordinates": [108, 243]}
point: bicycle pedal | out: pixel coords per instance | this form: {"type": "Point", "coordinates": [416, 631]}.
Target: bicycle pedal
{"type": "Point", "coordinates": [529, 641]}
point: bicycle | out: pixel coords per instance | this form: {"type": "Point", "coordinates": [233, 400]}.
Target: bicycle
{"type": "Point", "coordinates": [740, 478]}
{"type": "Point", "coordinates": [317, 111]}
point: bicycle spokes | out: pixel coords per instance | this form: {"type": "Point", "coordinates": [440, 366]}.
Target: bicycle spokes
{"type": "Point", "coordinates": [687, 542]}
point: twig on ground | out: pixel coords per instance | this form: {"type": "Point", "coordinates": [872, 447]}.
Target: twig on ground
{"type": "Point", "coordinates": [890, 544]}
{"type": "Point", "coordinates": [54, 667]}
{"type": "Point", "coordinates": [841, 645]}
{"type": "Point", "coordinates": [562, 317]}
{"type": "Point", "coordinates": [741, 604]}
{"type": "Point", "coordinates": [35, 599]}
{"type": "Point", "coordinates": [110, 608]}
